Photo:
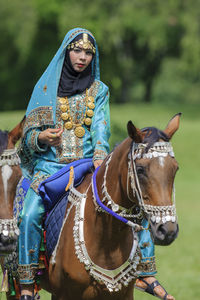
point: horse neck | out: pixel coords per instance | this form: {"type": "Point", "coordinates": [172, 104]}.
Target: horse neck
{"type": "Point", "coordinates": [113, 175]}
{"type": "Point", "coordinates": [112, 185]}
{"type": "Point", "coordinates": [10, 174]}
{"type": "Point", "coordinates": [109, 241]}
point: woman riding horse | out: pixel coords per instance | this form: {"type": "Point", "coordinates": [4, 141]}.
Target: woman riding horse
{"type": "Point", "coordinates": [67, 119]}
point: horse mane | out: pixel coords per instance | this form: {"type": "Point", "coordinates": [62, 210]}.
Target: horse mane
{"type": "Point", "coordinates": [3, 140]}
{"type": "Point", "coordinates": [152, 136]}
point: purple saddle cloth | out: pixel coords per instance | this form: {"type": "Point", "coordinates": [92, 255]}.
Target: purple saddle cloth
{"type": "Point", "coordinates": [53, 188]}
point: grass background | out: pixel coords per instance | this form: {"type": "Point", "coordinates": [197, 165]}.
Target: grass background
{"type": "Point", "coordinates": [178, 265]}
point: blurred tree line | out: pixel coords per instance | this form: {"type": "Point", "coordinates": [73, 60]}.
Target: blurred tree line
{"type": "Point", "coordinates": [149, 49]}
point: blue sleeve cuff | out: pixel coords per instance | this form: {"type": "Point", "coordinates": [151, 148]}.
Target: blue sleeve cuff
{"type": "Point", "coordinates": [34, 144]}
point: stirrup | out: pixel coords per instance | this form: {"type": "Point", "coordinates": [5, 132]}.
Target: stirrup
{"type": "Point", "coordinates": [26, 297]}
{"type": "Point", "coordinates": [150, 288]}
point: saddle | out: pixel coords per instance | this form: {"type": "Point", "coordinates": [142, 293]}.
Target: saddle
{"type": "Point", "coordinates": [52, 191]}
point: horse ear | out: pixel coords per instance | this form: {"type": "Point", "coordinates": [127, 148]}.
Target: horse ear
{"type": "Point", "coordinates": [134, 132]}
{"type": "Point", "coordinates": [16, 133]}
{"type": "Point", "coordinates": [173, 125]}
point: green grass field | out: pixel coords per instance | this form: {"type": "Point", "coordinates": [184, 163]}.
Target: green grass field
{"type": "Point", "coordinates": [178, 264]}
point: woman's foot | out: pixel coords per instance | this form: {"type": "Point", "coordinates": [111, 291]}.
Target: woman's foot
{"type": "Point", "coordinates": [27, 292]}
{"type": "Point", "coordinates": [152, 286]}
{"type": "Point", "coordinates": [26, 297]}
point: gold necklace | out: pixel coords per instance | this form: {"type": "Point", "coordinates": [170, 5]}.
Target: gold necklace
{"type": "Point", "coordinates": [86, 119]}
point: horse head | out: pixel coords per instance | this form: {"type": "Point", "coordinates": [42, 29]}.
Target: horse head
{"type": "Point", "coordinates": [154, 169]}
{"type": "Point", "coordinates": [10, 174]}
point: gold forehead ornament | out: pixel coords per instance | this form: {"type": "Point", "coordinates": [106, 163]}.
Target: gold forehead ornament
{"type": "Point", "coordinates": [83, 43]}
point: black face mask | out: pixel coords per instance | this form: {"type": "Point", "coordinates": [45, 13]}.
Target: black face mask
{"type": "Point", "coordinates": [72, 82]}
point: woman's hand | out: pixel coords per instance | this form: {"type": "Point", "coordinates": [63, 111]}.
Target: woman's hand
{"type": "Point", "coordinates": [51, 137]}
{"type": "Point", "coordinates": [97, 163]}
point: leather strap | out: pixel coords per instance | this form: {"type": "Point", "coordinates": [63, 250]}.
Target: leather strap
{"type": "Point", "coordinates": [150, 288]}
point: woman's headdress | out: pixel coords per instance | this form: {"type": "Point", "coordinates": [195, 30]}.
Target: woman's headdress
{"type": "Point", "coordinates": [42, 105]}
{"type": "Point", "coordinates": [83, 43]}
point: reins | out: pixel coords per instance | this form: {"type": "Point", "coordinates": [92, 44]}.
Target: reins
{"type": "Point", "coordinates": [108, 210]}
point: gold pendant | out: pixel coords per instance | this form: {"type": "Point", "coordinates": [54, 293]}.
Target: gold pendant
{"type": "Point", "coordinates": [90, 113]}
{"type": "Point", "coordinates": [63, 108]}
{"type": "Point", "coordinates": [79, 131]}
{"type": "Point", "coordinates": [91, 105]}
{"type": "Point", "coordinates": [90, 98]}
{"type": "Point", "coordinates": [63, 100]}
{"type": "Point", "coordinates": [68, 125]}
{"type": "Point", "coordinates": [88, 121]}
{"type": "Point", "coordinates": [64, 116]}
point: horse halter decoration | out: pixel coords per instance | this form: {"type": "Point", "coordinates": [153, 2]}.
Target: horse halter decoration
{"type": "Point", "coordinates": [154, 213]}
{"type": "Point", "coordinates": [8, 227]}
{"type": "Point", "coordinates": [159, 149]}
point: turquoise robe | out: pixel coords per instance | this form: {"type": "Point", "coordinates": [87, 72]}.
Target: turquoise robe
{"type": "Point", "coordinates": [40, 161]}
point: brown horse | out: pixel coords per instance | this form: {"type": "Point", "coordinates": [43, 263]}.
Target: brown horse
{"type": "Point", "coordinates": [97, 253]}
{"type": "Point", "coordinates": [10, 174]}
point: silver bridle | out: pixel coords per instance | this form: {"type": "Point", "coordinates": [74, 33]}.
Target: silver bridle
{"type": "Point", "coordinates": [159, 149]}
{"type": "Point", "coordinates": [154, 213]}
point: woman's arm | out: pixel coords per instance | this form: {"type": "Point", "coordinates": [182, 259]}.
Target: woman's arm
{"type": "Point", "coordinates": [100, 128]}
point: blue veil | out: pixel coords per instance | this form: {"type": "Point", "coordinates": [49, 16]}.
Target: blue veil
{"type": "Point", "coordinates": [43, 98]}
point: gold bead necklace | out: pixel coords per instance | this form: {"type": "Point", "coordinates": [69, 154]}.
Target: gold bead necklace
{"type": "Point", "coordinates": [86, 119]}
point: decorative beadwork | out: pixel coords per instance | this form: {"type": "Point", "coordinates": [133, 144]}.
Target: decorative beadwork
{"type": "Point", "coordinates": [19, 199]}
{"type": "Point", "coordinates": [8, 227]}
{"type": "Point", "coordinates": [39, 117]}
{"type": "Point", "coordinates": [86, 118]}
{"type": "Point", "coordinates": [113, 279]}
{"type": "Point", "coordinates": [122, 211]}
{"type": "Point", "coordinates": [38, 178]}
{"type": "Point", "coordinates": [72, 146]}
{"type": "Point", "coordinates": [83, 44]}
{"type": "Point", "coordinates": [160, 149]}
{"type": "Point", "coordinates": [147, 266]}
{"type": "Point", "coordinates": [99, 154]}
{"type": "Point", "coordinates": [9, 157]}
{"type": "Point", "coordinates": [27, 272]}
{"type": "Point", "coordinates": [161, 213]}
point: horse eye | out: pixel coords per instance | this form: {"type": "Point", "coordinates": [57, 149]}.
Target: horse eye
{"type": "Point", "coordinates": [140, 170]}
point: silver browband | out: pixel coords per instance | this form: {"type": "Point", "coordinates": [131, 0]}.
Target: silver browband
{"type": "Point", "coordinates": [159, 149]}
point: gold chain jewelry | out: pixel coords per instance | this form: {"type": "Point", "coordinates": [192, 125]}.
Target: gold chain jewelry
{"type": "Point", "coordinates": [87, 118]}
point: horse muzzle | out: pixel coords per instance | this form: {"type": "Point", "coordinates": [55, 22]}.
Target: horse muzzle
{"type": "Point", "coordinates": [164, 234]}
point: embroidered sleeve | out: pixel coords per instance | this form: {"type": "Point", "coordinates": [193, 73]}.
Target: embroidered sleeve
{"type": "Point", "coordinates": [100, 128]}
{"type": "Point", "coordinates": [33, 143]}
